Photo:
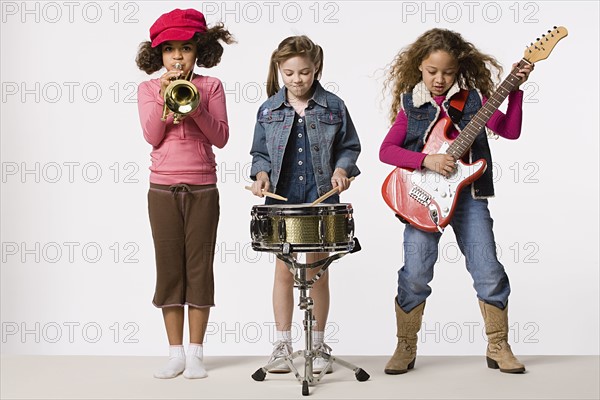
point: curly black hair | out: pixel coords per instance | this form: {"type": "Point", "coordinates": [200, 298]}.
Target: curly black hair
{"type": "Point", "coordinates": [208, 49]}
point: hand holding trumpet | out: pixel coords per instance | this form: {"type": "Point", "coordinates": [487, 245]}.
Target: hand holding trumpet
{"type": "Point", "coordinates": [181, 95]}
{"type": "Point", "coordinates": [168, 77]}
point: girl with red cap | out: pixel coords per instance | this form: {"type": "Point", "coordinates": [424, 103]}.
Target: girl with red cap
{"type": "Point", "coordinates": [183, 200]}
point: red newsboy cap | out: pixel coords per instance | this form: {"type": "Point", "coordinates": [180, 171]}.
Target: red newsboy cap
{"type": "Point", "coordinates": [177, 25]}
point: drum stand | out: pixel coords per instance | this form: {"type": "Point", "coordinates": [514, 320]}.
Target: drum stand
{"type": "Point", "coordinates": [306, 304]}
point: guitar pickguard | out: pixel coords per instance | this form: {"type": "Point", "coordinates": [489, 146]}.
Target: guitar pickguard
{"type": "Point", "coordinates": [429, 187]}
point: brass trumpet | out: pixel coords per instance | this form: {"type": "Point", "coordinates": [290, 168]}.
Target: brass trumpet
{"type": "Point", "coordinates": [181, 97]}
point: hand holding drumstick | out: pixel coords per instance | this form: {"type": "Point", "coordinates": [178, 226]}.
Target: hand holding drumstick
{"type": "Point", "coordinates": [268, 194]}
{"type": "Point", "coordinates": [337, 189]}
{"type": "Point", "coordinates": [260, 187]}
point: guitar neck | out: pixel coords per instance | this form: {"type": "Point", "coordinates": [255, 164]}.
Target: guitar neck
{"type": "Point", "coordinates": [466, 138]}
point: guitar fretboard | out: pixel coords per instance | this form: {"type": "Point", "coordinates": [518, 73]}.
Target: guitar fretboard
{"type": "Point", "coordinates": [465, 139]}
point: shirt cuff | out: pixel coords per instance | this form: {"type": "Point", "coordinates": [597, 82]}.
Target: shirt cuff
{"type": "Point", "coordinates": [258, 167]}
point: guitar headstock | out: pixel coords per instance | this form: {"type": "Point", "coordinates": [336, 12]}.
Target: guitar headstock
{"type": "Point", "coordinates": [541, 49]}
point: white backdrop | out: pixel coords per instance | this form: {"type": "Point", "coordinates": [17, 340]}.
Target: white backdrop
{"type": "Point", "coordinates": [77, 258]}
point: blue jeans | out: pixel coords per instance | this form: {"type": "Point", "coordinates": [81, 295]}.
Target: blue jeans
{"type": "Point", "coordinates": [472, 225]}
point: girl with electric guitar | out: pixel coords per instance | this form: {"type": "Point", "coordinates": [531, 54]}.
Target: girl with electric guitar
{"type": "Point", "coordinates": [439, 76]}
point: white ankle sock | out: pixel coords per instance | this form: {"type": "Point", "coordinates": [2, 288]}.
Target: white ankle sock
{"type": "Point", "coordinates": [284, 336]}
{"type": "Point", "coordinates": [318, 337]}
{"type": "Point", "coordinates": [194, 365]}
{"type": "Point", "coordinates": [175, 365]}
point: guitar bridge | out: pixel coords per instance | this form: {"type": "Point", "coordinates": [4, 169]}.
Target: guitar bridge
{"type": "Point", "coordinates": [420, 195]}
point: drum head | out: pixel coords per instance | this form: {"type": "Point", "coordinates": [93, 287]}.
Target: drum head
{"type": "Point", "coordinates": [303, 209]}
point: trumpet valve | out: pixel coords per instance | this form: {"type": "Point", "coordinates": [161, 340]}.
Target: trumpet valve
{"type": "Point", "coordinates": [165, 113]}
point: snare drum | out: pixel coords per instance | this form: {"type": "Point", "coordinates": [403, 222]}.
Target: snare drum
{"type": "Point", "coordinates": [302, 228]}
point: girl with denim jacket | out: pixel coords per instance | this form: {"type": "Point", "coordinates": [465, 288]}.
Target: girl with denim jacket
{"type": "Point", "coordinates": [424, 77]}
{"type": "Point", "coordinates": [183, 200]}
{"type": "Point", "coordinates": [304, 145]}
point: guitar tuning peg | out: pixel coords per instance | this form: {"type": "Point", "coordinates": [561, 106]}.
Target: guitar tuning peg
{"type": "Point", "coordinates": [550, 30]}
{"type": "Point", "coordinates": [555, 27]}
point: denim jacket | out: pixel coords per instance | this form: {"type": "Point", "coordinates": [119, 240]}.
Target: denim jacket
{"type": "Point", "coordinates": [422, 114]}
{"type": "Point", "coordinates": [331, 134]}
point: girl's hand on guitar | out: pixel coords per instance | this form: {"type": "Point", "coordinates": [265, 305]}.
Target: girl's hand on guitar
{"type": "Point", "coordinates": [443, 164]}
{"type": "Point", "coordinates": [524, 73]}
{"type": "Point", "coordinates": [261, 184]}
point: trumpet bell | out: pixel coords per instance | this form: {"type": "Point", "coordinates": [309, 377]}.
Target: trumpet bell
{"type": "Point", "coordinates": [181, 97]}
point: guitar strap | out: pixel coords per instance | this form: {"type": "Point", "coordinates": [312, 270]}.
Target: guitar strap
{"type": "Point", "coordinates": [457, 105]}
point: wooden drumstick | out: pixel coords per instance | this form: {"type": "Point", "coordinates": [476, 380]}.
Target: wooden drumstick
{"type": "Point", "coordinates": [329, 194]}
{"type": "Point", "coordinates": [269, 194]}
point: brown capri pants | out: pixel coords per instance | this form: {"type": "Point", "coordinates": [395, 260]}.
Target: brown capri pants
{"type": "Point", "coordinates": [184, 221]}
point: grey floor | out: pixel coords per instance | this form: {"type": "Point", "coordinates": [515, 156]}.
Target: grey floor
{"type": "Point", "coordinates": [86, 377]}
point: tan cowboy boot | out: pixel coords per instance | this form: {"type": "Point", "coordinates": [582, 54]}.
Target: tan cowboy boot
{"type": "Point", "coordinates": [408, 324]}
{"type": "Point", "coordinates": [499, 354]}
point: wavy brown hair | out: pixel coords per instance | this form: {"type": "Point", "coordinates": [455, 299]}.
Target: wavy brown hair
{"type": "Point", "coordinates": [291, 47]}
{"type": "Point", "coordinates": [208, 49]}
{"type": "Point", "coordinates": [475, 69]}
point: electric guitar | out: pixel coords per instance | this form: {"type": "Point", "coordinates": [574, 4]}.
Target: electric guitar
{"type": "Point", "coordinates": [426, 199]}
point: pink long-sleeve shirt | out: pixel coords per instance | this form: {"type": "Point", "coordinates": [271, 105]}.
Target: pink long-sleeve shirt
{"type": "Point", "coordinates": [506, 125]}
{"type": "Point", "coordinates": [182, 153]}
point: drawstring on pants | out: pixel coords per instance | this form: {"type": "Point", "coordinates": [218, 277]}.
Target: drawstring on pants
{"type": "Point", "coordinates": [180, 187]}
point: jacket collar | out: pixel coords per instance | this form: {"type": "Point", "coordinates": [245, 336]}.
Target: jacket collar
{"type": "Point", "coordinates": [319, 96]}
{"type": "Point", "coordinates": [422, 95]}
